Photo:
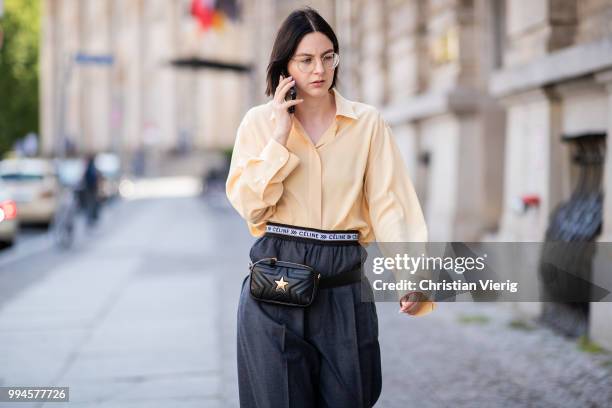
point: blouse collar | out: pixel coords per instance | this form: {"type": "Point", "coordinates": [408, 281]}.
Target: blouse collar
{"type": "Point", "coordinates": [344, 107]}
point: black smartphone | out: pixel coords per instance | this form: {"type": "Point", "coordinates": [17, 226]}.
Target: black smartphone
{"type": "Point", "coordinates": [291, 95]}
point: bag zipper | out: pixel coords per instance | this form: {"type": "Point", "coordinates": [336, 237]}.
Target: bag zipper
{"type": "Point", "coordinates": [274, 259]}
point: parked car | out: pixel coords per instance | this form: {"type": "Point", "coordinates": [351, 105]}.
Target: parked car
{"type": "Point", "coordinates": [33, 184]}
{"type": "Point", "coordinates": [8, 217]}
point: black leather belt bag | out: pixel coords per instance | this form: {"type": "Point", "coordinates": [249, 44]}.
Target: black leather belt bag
{"type": "Point", "coordinates": [292, 284]}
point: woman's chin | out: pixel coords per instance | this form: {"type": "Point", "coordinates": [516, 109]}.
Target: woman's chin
{"type": "Point", "coordinates": [317, 92]}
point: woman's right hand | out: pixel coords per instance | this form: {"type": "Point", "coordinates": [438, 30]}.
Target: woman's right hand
{"type": "Point", "coordinates": [280, 106]}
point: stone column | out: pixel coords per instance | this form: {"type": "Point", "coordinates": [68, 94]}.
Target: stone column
{"type": "Point", "coordinates": [344, 31]}
{"type": "Point", "coordinates": [533, 156]}
{"type": "Point", "coordinates": [94, 80]}
{"type": "Point", "coordinates": [372, 53]}
{"type": "Point", "coordinates": [534, 163]}
{"type": "Point", "coordinates": [535, 28]}
{"type": "Point", "coordinates": [600, 323]}
{"type": "Point", "coordinates": [407, 49]}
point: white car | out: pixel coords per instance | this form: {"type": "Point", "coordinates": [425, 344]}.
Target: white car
{"type": "Point", "coordinates": [8, 218]}
{"type": "Point", "coordinates": [33, 184]}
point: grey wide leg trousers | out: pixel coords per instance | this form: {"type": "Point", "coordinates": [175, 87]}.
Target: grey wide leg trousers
{"type": "Point", "coordinates": [325, 355]}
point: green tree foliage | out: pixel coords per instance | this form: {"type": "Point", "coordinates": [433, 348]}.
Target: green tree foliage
{"type": "Point", "coordinates": [19, 94]}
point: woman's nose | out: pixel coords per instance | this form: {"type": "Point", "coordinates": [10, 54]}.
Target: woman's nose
{"type": "Point", "coordinates": [319, 67]}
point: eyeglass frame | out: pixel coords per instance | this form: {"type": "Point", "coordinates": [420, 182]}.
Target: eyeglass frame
{"type": "Point", "coordinates": [324, 67]}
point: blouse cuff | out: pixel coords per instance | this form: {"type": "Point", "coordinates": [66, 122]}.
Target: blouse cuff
{"type": "Point", "coordinates": [273, 165]}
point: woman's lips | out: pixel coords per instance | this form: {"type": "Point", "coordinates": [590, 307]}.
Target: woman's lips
{"type": "Point", "coordinates": [318, 83]}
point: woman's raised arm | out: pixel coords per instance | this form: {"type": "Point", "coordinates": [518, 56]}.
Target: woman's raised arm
{"type": "Point", "coordinates": [258, 167]}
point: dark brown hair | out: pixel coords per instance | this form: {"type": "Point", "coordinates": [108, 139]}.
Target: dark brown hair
{"type": "Point", "coordinates": [299, 23]}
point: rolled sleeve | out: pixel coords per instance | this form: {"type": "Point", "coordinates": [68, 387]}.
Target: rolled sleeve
{"type": "Point", "coordinates": [272, 166]}
{"type": "Point", "coordinates": [258, 167]}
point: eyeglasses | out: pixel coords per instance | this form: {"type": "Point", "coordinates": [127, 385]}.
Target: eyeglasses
{"type": "Point", "coordinates": [307, 64]}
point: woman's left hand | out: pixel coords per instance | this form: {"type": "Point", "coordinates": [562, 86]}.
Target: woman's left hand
{"type": "Point", "coordinates": [410, 303]}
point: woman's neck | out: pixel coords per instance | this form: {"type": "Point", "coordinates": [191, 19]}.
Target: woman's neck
{"type": "Point", "coordinates": [315, 109]}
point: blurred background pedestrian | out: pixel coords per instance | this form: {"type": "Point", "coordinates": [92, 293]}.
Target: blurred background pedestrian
{"type": "Point", "coordinates": [91, 182]}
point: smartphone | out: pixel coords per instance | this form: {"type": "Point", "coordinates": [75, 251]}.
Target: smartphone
{"type": "Point", "coordinates": [291, 95]}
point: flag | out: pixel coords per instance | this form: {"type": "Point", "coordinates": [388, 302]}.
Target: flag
{"type": "Point", "coordinates": [214, 13]}
{"type": "Point", "coordinates": [203, 11]}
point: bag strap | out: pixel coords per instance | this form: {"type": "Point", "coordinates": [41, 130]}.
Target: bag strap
{"type": "Point", "coordinates": [341, 279]}
{"type": "Point", "coordinates": [252, 265]}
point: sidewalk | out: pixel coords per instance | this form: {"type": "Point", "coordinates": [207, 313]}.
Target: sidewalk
{"type": "Point", "coordinates": [478, 355]}
{"type": "Point", "coordinates": [136, 320]}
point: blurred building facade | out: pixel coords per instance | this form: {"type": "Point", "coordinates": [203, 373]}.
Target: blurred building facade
{"type": "Point", "coordinates": [554, 80]}
{"type": "Point", "coordinates": [479, 94]}
{"type": "Point", "coordinates": [137, 103]}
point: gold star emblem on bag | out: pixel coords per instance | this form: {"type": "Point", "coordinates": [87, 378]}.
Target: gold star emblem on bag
{"type": "Point", "coordinates": [280, 284]}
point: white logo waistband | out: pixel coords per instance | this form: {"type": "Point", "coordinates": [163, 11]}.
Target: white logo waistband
{"type": "Point", "coordinates": [305, 233]}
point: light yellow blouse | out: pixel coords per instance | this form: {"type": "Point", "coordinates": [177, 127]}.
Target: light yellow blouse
{"type": "Point", "coordinates": [353, 178]}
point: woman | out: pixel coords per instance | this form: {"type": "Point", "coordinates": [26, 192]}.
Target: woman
{"type": "Point", "coordinates": [331, 167]}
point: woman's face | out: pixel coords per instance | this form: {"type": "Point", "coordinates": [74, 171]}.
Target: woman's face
{"type": "Point", "coordinates": [314, 46]}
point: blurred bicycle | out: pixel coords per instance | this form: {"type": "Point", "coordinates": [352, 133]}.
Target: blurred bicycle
{"type": "Point", "coordinates": [63, 227]}
{"type": "Point", "coordinates": [64, 224]}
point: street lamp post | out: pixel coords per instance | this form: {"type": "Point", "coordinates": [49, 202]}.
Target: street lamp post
{"type": "Point", "coordinates": [82, 59]}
